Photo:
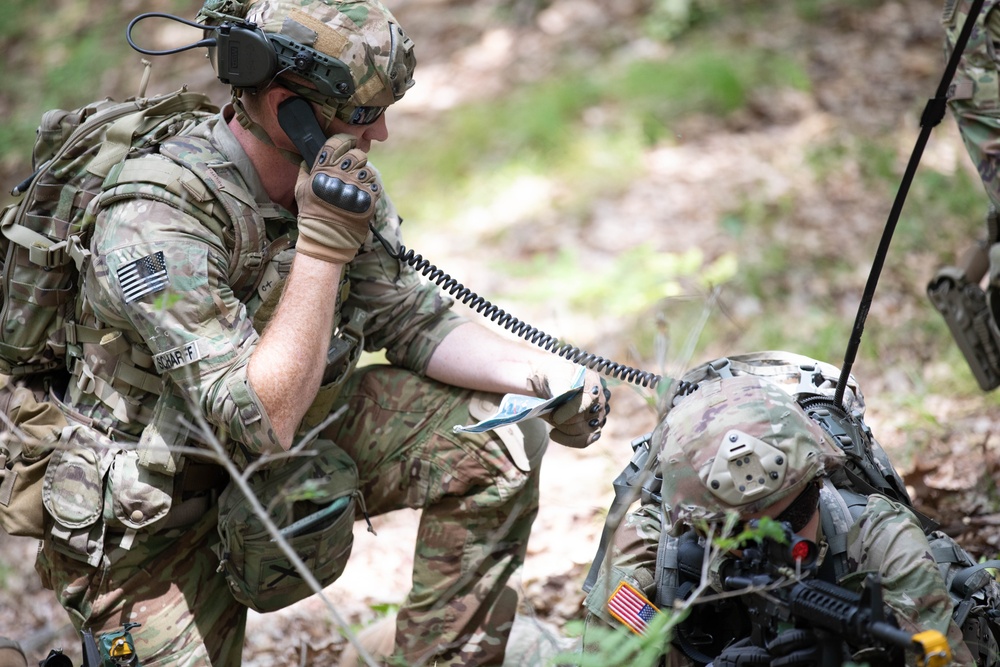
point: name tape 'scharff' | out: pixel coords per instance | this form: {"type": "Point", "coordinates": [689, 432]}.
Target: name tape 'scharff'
{"type": "Point", "coordinates": [146, 275]}
{"type": "Point", "coordinates": [177, 357]}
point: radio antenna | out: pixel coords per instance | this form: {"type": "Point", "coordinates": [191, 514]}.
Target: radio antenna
{"type": "Point", "coordinates": [932, 115]}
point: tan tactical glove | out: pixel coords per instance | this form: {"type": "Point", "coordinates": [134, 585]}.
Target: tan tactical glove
{"type": "Point", "coordinates": [336, 201]}
{"type": "Point", "coordinates": [578, 422]}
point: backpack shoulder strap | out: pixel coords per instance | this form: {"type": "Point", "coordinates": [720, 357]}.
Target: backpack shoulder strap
{"type": "Point", "coordinates": [204, 183]}
{"type": "Point", "coordinates": [838, 509]}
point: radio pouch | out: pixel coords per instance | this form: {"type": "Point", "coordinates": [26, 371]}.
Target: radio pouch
{"type": "Point", "coordinates": [311, 499]}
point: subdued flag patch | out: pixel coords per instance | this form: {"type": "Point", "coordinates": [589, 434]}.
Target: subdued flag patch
{"type": "Point", "coordinates": [632, 608]}
{"type": "Point", "coordinates": [145, 275]}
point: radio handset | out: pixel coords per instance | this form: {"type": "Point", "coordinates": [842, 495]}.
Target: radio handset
{"type": "Point", "coordinates": [297, 118]}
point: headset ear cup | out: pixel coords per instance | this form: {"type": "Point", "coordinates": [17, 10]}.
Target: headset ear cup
{"type": "Point", "coordinates": [245, 57]}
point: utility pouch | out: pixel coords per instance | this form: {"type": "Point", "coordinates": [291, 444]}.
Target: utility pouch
{"type": "Point", "coordinates": [135, 496]}
{"type": "Point", "coordinates": [963, 304]}
{"type": "Point", "coordinates": [26, 443]}
{"type": "Point", "coordinates": [311, 499]}
{"type": "Point", "coordinates": [73, 493]}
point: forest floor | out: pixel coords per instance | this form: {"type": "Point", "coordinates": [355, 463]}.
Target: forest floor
{"type": "Point", "coordinates": [871, 70]}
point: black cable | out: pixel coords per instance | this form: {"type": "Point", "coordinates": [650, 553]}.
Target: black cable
{"type": "Point", "coordinates": [932, 115]}
{"type": "Point", "coordinates": [204, 42]}
{"type": "Point", "coordinates": [524, 330]}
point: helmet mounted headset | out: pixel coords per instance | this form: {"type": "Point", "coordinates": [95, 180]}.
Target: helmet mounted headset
{"type": "Point", "coordinates": [250, 59]}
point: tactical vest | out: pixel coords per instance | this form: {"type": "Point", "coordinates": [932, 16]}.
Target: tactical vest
{"type": "Point", "coordinates": [974, 591]}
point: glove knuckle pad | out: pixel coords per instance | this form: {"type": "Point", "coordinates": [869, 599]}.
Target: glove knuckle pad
{"type": "Point", "coordinates": [343, 195]}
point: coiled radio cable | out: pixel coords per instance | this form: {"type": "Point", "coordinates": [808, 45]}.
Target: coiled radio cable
{"type": "Point", "coordinates": [500, 317]}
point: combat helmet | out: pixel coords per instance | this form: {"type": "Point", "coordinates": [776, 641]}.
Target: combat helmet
{"type": "Point", "coordinates": [353, 55]}
{"type": "Point", "coordinates": [738, 444]}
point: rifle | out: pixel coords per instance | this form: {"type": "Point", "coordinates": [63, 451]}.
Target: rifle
{"type": "Point", "coordinates": [769, 573]}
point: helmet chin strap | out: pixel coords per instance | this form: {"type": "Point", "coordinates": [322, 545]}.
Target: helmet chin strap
{"type": "Point", "coordinates": [254, 128]}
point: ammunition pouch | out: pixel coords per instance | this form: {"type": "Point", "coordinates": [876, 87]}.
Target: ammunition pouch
{"type": "Point", "coordinates": [311, 499]}
{"type": "Point", "coordinates": [73, 493]}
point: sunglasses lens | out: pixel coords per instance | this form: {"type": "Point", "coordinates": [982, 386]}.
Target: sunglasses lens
{"type": "Point", "coordinates": [364, 115]}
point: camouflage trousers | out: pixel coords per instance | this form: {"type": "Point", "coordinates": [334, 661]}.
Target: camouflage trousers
{"type": "Point", "coordinates": [974, 96]}
{"type": "Point", "coordinates": [166, 581]}
{"type": "Point", "coordinates": [478, 500]}
{"type": "Point", "coordinates": [479, 497]}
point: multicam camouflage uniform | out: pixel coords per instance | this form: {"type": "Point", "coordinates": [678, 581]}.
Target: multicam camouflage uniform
{"type": "Point", "coordinates": [974, 97]}
{"type": "Point", "coordinates": [886, 538]}
{"type": "Point", "coordinates": [135, 524]}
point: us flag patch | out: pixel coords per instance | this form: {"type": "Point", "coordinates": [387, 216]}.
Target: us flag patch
{"type": "Point", "coordinates": [631, 608]}
{"type": "Point", "coordinates": [146, 275]}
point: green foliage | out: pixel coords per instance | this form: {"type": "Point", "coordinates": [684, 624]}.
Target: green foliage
{"type": "Point", "coordinates": [766, 529]}
{"type": "Point", "coordinates": [385, 608]}
{"type": "Point", "coordinates": [944, 214]}
{"type": "Point", "coordinates": [164, 302]}
{"type": "Point", "coordinates": [619, 646]}
{"type": "Point", "coordinates": [76, 45]}
{"type": "Point", "coordinates": [16, 16]}
{"type": "Point", "coordinates": [667, 19]}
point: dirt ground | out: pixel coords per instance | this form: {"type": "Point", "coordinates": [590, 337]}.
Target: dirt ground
{"type": "Point", "coordinates": [872, 69]}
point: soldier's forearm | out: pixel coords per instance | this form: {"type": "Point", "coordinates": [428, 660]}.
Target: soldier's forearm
{"type": "Point", "coordinates": [286, 367]}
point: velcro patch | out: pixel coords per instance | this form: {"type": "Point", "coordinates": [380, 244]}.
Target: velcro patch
{"type": "Point", "coordinates": [177, 357]}
{"type": "Point", "coordinates": [632, 608]}
{"type": "Point", "coordinates": [146, 275]}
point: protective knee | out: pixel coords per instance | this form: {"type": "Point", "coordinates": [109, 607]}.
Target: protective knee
{"type": "Point", "coordinates": [11, 654]}
{"type": "Point", "coordinates": [525, 442]}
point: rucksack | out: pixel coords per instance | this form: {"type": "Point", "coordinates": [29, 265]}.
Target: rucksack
{"type": "Point", "coordinates": [81, 160]}
{"type": "Point", "coordinates": [975, 592]}
{"type": "Point", "coordinates": [45, 234]}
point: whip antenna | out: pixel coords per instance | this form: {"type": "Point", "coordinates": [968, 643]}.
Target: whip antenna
{"type": "Point", "coordinates": [932, 115]}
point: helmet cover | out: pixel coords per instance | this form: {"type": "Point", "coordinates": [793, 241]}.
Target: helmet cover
{"type": "Point", "coordinates": [363, 34]}
{"type": "Point", "coordinates": [738, 444]}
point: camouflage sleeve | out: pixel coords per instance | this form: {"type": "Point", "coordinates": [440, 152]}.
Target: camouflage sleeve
{"type": "Point", "coordinates": [888, 540]}
{"type": "Point", "coordinates": [161, 276]}
{"type": "Point", "coordinates": [407, 316]}
{"type": "Point", "coordinates": [974, 96]}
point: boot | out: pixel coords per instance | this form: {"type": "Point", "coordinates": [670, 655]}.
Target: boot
{"type": "Point", "coordinates": [531, 642]}
{"type": "Point", "coordinates": [379, 639]}
{"type": "Point", "coordinates": [11, 654]}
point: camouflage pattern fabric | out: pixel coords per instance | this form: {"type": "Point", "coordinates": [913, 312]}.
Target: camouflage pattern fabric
{"type": "Point", "coordinates": [168, 582]}
{"type": "Point", "coordinates": [478, 507]}
{"type": "Point", "coordinates": [886, 539]}
{"type": "Point", "coordinates": [403, 316]}
{"type": "Point", "coordinates": [974, 97]}
{"type": "Point", "coordinates": [740, 444]}
{"type": "Point", "coordinates": [363, 35]}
